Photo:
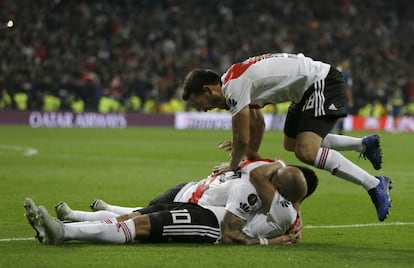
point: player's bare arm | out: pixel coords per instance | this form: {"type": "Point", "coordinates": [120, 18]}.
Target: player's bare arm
{"type": "Point", "coordinates": [231, 231]}
{"type": "Point", "coordinates": [227, 147]}
{"type": "Point", "coordinates": [257, 128]}
{"type": "Point", "coordinates": [241, 136]}
{"type": "Point", "coordinates": [240, 142]}
{"type": "Point", "coordinates": [261, 177]}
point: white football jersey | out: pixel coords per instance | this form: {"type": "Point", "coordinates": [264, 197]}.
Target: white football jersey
{"type": "Point", "coordinates": [233, 192]}
{"type": "Point", "coordinates": [243, 201]}
{"type": "Point", "coordinates": [270, 78]}
{"type": "Point", "coordinates": [277, 221]}
{"type": "Point", "coordinates": [215, 190]}
{"type": "Point", "coordinates": [211, 191]}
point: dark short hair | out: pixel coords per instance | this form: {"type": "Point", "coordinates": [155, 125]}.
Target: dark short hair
{"type": "Point", "coordinates": [196, 79]}
{"type": "Point", "coordinates": [311, 179]}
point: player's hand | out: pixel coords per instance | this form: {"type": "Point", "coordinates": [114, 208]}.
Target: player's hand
{"type": "Point", "coordinates": [224, 167]}
{"type": "Point", "coordinates": [297, 229]}
{"type": "Point", "coordinates": [283, 240]}
{"type": "Point", "coordinates": [295, 237]}
{"type": "Point", "coordinates": [225, 145]}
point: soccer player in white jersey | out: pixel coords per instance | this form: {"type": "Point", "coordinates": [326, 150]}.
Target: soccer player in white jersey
{"type": "Point", "coordinates": [215, 190]}
{"type": "Point", "coordinates": [242, 203]}
{"type": "Point", "coordinates": [259, 224]}
{"type": "Point", "coordinates": [316, 91]}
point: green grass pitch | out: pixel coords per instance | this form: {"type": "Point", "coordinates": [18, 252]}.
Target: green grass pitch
{"type": "Point", "coordinates": [130, 166]}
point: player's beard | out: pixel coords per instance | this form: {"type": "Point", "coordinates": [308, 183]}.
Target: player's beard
{"type": "Point", "coordinates": [219, 102]}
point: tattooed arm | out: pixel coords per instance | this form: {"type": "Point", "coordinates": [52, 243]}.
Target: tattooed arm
{"type": "Point", "coordinates": [231, 233]}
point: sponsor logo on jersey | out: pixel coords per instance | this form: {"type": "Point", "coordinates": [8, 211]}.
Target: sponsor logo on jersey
{"type": "Point", "coordinates": [245, 207]}
{"type": "Point", "coordinates": [252, 199]}
{"type": "Point", "coordinates": [283, 203]}
{"type": "Point", "coordinates": [231, 103]}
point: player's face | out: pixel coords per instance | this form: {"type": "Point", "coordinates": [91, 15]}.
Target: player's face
{"type": "Point", "coordinates": [210, 99]}
{"type": "Point", "coordinates": [201, 102]}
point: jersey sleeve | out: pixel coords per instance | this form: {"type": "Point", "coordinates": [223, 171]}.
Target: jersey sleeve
{"type": "Point", "coordinates": [237, 94]}
{"type": "Point", "coordinates": [277, 221]}
{"type": "Point", "coordinates": [282, 214]}
{"type": "Point", "coordinates": [243, 201]}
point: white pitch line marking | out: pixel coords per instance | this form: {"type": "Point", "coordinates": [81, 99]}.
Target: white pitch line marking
{"type": "Point", "coordinates": [356, 225]}
{"type": "Point", "coordinates": [305, 227]}
{"type": "Point", "coordinates": [16, 239]}
{"type": "Point", "coordinates": [27, 151]}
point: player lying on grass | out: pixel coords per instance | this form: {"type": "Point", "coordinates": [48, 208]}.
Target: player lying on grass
{"type": "Point", "coordinates": [209, 191]}
{"type": "Point", "coordinates": [242, 217]}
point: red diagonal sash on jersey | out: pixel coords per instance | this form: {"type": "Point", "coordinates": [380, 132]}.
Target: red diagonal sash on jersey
{"type": "Point", "coordinates": [196, 195]}
{"type": "Point", "coordinates": [247, 162]}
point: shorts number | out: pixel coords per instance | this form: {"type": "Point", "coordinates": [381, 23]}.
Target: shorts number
{"type": "Point", "coordinates": [180, 216]}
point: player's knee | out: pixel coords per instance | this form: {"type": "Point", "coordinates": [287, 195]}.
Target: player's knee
{"type": "Point", "coordinates": [142, 226]}
{"type": "Point", "coordinates": [289, 145]}
{"type": "Point", "coordinates": [128, 216]}
{"type": "Point", "coordinates": [304, 155]}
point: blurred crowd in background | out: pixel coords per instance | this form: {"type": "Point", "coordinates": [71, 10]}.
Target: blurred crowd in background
{"type": "Point", "coordinates": [132, 56]}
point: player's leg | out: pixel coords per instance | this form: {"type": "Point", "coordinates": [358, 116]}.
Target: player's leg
{"type": "Point", "coordinates": [176, 222]}
{"type": "Point", "coordinates": [343, 143]}
{"type": "Point", "coordinates": [166, 197]}
{"type": "Point", "coordinates": [107, 231]}
{"type": "Point", "coordinates": [303, 135]}
{"type": "Point", "coordinates": [368, 146]}
{"type": "Point", "coordinates": [184, 222]}
{"type": "Point", "coordinates": [100, 205]}
{"type": "Point", "coordinates": [309, 121]}
{"type": "Point", "coordinates": [65, 213]}
{"type": "Point", "coordinates": [308, 151]}
{"type": "Point", "coordinates": [329, 102]}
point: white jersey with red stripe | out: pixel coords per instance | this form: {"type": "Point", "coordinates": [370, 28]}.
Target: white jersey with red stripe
{"type": "Point", "coordinates": [234, 191]}
{"type": "Point", "coordinates": [215, 190]}
{"type": "Point", "coordinates": [270, 78]}
{"type": "Point", "coordinates": [231, 190]}
{"type": "Point", "coordinates": [210, 191]}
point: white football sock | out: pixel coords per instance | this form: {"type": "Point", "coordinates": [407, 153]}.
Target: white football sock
{"type": "Point", "coordinates": [116, 232]}
{"type": "Point", "coordinates": [343, 143]}
{"type": "Point", "coordinates": [78, 215]}
{"type": "Point", "coordinates": [121, 210]}
{"type": "Point", "coordinates": [339, 166]}
{"type": "Point", "coordinates": [108, 221]}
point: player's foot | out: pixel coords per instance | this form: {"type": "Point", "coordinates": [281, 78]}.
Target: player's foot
{"type": "Point", "coordinates": [63, 211]}
{"type": "Point", "coordinates": [32, 215]}
{"type": "Point", "coordinates": [98, 204]}
{"type": "Point", "coordinates": [54, 228]}
{"type": "Point", "coordinates": [372, 150]}
{"type": "Point", "coordinates": [380, 196]}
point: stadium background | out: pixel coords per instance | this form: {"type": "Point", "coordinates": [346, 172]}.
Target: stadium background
{"type": "Point", "coordinates": [131, 56]}
{"type": "Point", "coordinates": [61, 54]}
